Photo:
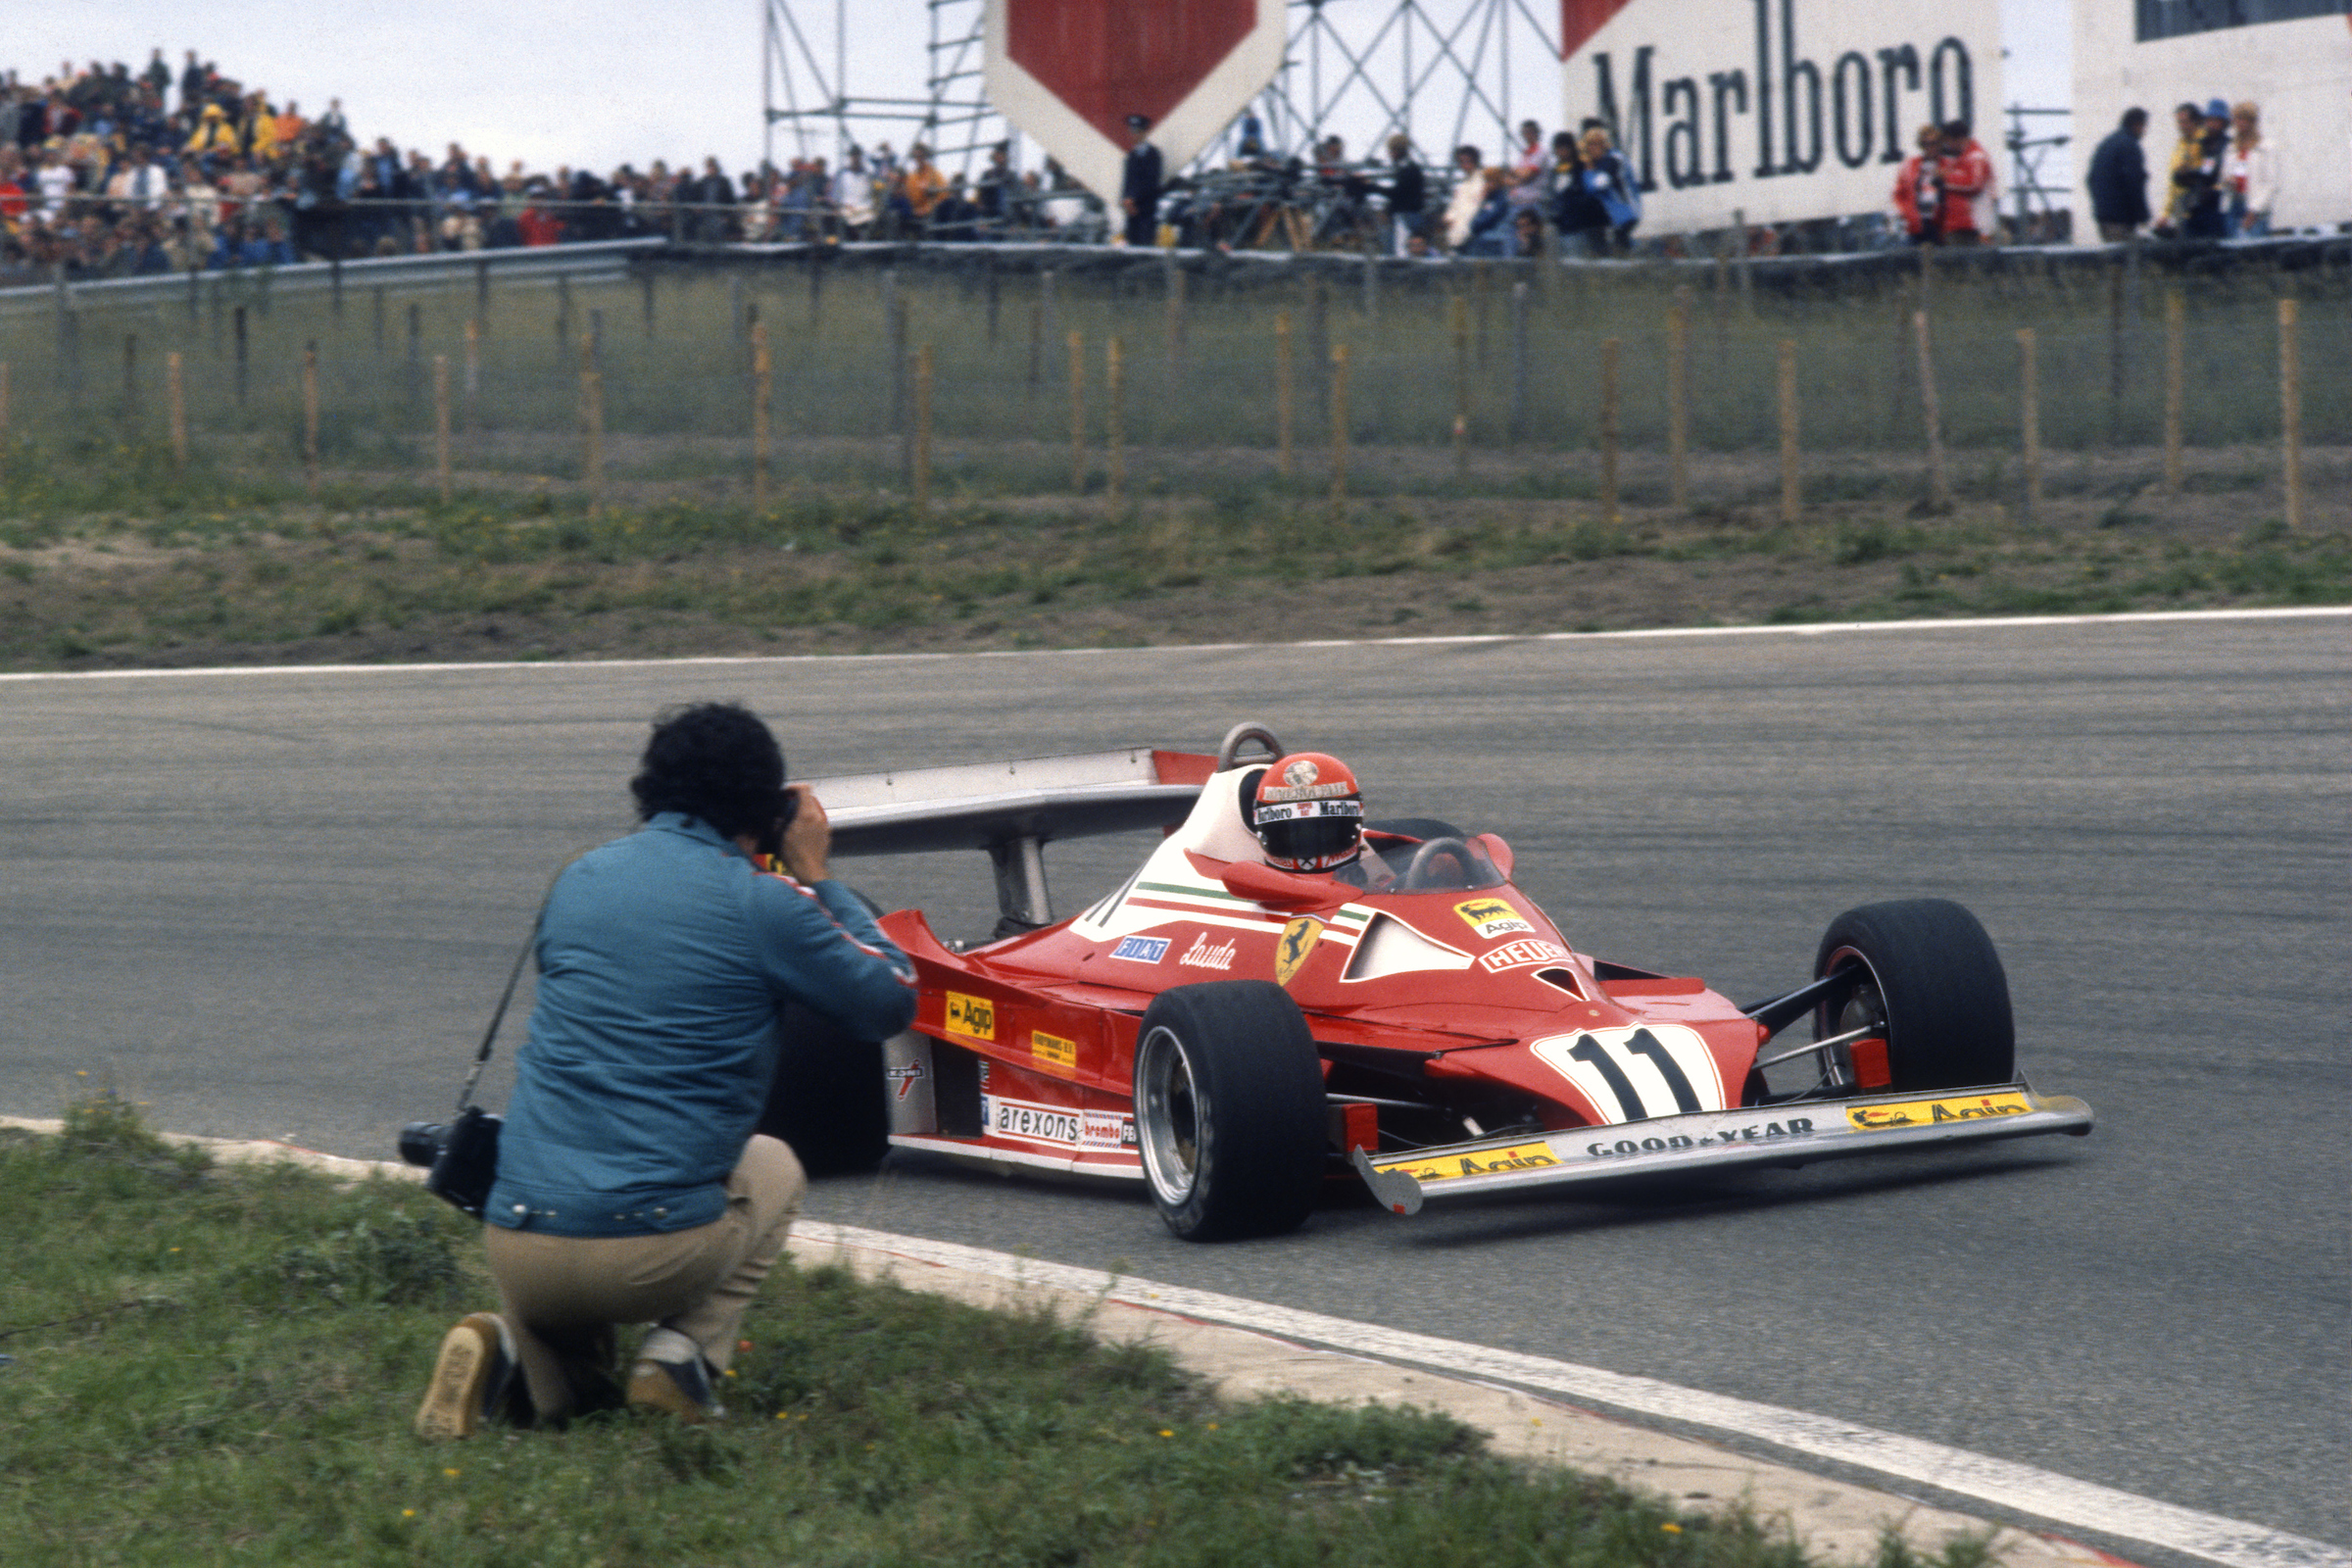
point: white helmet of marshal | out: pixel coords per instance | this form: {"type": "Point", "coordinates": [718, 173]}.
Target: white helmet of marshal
{"type": "Point", "coordinates": [1309, 814]}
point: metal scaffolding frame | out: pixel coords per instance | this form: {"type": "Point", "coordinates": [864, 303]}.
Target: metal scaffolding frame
{"type": "Point", "coordinates": [1358, 69]}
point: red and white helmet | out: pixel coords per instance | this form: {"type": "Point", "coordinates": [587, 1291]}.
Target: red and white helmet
{"type": "Point", "coordinates": [1309, 813]}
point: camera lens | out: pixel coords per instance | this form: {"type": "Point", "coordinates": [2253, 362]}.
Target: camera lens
{"type": "Point", "coordinates": [421, 1142]}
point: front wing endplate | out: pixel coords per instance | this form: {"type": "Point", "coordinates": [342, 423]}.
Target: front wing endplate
{"type": "Point", "coordinates": [1792, 1134]}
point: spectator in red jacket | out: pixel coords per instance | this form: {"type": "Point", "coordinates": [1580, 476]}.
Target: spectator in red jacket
{"type": "Point", "coordinates": [536, 224]}
{"type": "Point", "coordinates": [1967, 192]}
{"type": "Point", "coordinates": [1918, 188]}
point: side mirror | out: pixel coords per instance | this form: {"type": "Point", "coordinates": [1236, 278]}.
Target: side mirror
{"type": "Point", "coordinates": [1496, 850]}
{"type": "Point", "coordinates": [1281, 890]}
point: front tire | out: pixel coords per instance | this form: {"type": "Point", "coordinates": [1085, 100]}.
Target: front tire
{"type": "Point", "coordinates": [1930, 980]}
{"type": "Point", "coordinates": [1229, 1110]}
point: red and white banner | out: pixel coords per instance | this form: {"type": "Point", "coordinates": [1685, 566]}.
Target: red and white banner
{"type": "Point", "coordinates": [1781, 110]}
{"type": "Point", "coordinates": [1068, 72]}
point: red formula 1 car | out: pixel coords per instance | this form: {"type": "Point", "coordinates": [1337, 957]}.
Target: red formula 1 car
{"type": "Point", "coordinates": [1234, 1035]}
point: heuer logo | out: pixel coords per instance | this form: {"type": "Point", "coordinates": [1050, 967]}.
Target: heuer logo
{"type": "Point", "coordinates": [906, 1077]}
{"type": "Point", "coordinates": [1142, 950]}
{"type": "Point", "coordinates": [1492, 917]}
{"type": "Point", "coordinates": [1519, 955]}
{"type": "Point", "coordinates": [1927, 1112]}
{"type": "Point", "coordinates": [1202, 956]}
{"type": "Point", "coordinates": [971, 1016]}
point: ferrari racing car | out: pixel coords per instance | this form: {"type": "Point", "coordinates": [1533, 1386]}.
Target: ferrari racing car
{"type": "Point", "coordinates": [1235, 1034]}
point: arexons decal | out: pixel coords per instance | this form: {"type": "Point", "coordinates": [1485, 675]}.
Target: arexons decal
{"type": "Point", "coordinates": [1141, 950]}
{"type": "Point", "coordinates": [1032, 1124]}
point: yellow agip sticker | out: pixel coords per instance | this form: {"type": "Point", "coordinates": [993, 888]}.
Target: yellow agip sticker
{"type": "Point", "coordinates": [1298, 940]}
{"type": "Point", "coordinates": [973, 1017]}
{"type": "Point", "coordinates": [1476, 1163]}
{"type": "Point", "coordinates": [1929, 1112]}
{"type": "Point", "coordinates": [1053, 1053]}
{"type": "Point", "coordinates": [1492, 917]}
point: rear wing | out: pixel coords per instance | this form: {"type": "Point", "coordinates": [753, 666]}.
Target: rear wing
{"type": "Point", "coordinates": [1011, 810]}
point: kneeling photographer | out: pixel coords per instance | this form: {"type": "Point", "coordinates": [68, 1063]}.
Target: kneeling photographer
{"type": "Point", "coordinates": [630, 1185]}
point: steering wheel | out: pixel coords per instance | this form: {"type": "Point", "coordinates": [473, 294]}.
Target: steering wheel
{"type": "Point", "coordinates": [1420, 872]}
{"type": "Point", "coordinates": [1229, 749]}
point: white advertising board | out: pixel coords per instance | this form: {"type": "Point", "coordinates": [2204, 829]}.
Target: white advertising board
{"type": "Point", "coordinates": [1781, 110]}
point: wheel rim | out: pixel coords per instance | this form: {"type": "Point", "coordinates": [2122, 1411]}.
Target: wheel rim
{"type": "Point", "coordinates": [1171, 1118]}
{"type": "Point", "coordinates": [1865, 1005]}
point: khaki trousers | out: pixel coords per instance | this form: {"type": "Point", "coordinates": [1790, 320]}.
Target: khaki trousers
{"type": "Point", "coordinates": [561, 1295]}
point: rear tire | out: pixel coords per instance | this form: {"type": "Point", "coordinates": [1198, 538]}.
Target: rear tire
{"type": "Point", "coordinates": [1933, 981]}
{"type": "Point", "coordinates": [1229, 1110]}
{"type": "Point", "coordinates": [828, 1099]}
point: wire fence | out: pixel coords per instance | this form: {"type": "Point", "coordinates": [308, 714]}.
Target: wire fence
{"type": "Point", "coordinates": [736, 375]}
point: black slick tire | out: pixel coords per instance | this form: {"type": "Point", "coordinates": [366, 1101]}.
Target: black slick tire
{"type": "Point", "coordinates": [1229, 1110]}
{"type": "Point", "coordinates": [1932, 977]}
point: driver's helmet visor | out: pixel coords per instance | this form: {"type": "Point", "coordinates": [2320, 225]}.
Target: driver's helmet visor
{"type": "Point", "coordinates": [1310, 833]}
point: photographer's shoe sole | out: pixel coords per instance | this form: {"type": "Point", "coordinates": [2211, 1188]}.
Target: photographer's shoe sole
{"type": "Point", "coordinates": [653, 1387]}
{"type": "Point", "coordinates": [452, 1400]}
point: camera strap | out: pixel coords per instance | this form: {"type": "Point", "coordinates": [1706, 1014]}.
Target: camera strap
{"type": "Point", "coordinates": [489, 1035]}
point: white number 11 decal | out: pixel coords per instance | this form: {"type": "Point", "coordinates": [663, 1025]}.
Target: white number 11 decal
{"type": "Point", "coordinates": [1660, 1069]}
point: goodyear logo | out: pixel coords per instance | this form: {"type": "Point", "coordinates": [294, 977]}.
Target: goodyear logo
{"type": "Point", "coordinates": [1492, 917]}
{"type": "Point", "coordinates": [1927, 1112]}
{"type": "Point", "coordinates": [1291, 949]}
{"type": "Point", "coordinates": [1481, 1162]}
{"type": "Point", "coordinates": [974, 1018]}
{"type": "Point", "coordinates": [1053, 1053]}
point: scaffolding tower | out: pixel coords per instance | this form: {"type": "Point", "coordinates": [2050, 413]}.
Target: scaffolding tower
{"type": "Point", "coordinates": [1362, 69]}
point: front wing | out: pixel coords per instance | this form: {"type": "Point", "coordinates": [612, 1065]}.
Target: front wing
{"type": "Point", "coordinates": [1792, 1134]}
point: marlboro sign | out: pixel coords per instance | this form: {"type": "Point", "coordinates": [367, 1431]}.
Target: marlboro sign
{"type": "Point", "coordinates": [1781, 109]}
{"type": "Point", "coordinates": [1068, 72]}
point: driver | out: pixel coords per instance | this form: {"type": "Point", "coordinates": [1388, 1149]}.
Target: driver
{"type": "Point", "coordinates": [1308, 815]}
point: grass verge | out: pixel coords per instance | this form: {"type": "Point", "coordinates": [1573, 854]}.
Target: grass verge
{"type": "Point", "coordinates": [117, 563]}
{"type": "Point", "coordinates": [218, 1364]}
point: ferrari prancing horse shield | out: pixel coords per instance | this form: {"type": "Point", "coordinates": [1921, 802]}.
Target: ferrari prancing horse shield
{"type": "Point", "coordinates": [1298, 939]}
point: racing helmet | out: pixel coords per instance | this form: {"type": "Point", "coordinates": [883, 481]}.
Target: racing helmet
{"type": "Point", "coordinates": [1308, 813]}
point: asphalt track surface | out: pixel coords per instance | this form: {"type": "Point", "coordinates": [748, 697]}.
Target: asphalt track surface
{"type": "Point", "coordinates": [280, 905]}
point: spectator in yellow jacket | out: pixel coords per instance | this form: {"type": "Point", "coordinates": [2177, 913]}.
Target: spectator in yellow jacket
{"type": "Point", "coordinates": [214, 133]}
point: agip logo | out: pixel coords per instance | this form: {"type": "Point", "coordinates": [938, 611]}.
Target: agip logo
{"type": "Point", "coordinates": [973, 1017]}
{"type": "Point", "coordinates": [1492, 917]}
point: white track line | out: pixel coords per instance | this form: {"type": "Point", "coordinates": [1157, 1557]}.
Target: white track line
{"type": "Point", "coordinates": [741, 660]}
{"type": "Point", "coordinates": [2039, 1494]}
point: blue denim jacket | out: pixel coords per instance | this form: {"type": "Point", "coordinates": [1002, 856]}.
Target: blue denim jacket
{"type": "Point", "coordinates": [663, 958]}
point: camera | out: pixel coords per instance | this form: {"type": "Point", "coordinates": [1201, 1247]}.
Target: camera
{"type": "Point", "coordinates": [421, 1142]}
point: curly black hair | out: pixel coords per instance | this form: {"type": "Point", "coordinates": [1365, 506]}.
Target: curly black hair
{"type": "Point", "coordinates": [715, 761]}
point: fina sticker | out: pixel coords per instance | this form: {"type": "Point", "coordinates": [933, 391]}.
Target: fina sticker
{"type": "Point", "coordinates": [1142, 950]}
{"type": "Point", "coordinates": [1929, 1112]}
{"type": "Point", "coordinates": [1479, 1162]}
{"type": "Point", "coordinates": [1492, 917]}
{"type": "Point", "coordinates": [973, 1017]}
{"type": "Point", "coordinates": [1298, 940]}
{"type": "Point", "coordinates": [1053, 1053]}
